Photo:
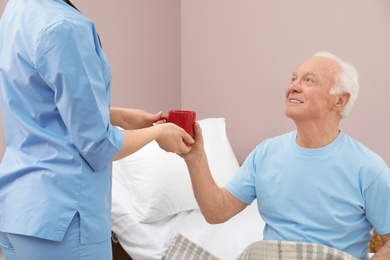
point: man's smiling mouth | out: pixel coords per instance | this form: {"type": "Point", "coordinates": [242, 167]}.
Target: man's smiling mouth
{"type": "Point", "coordinates": [296, 101]}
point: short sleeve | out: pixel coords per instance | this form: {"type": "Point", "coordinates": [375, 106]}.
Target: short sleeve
{"type": "Point", "coordinates": [242, 185]}
{"type": "Point", "coordinates": [377, 202]}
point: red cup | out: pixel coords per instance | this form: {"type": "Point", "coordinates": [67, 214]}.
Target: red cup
{"type": "Point", "coordinates": [183, 118]}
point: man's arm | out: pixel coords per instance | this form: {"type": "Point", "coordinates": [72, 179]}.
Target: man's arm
{"type": "Point", "coordinates": [384, 252]}
{"type": "Point", "coordinates": [216, 204]}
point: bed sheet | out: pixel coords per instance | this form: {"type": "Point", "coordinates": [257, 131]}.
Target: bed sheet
{"type": "Point", "coordinates": [151, 240]}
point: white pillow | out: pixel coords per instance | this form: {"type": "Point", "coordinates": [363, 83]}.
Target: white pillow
{"type": "Point", "coordinates": [159, 181]}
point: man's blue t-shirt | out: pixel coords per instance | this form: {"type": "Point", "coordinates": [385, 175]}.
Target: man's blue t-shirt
{"type": "Point", "coordinates": [330, 196]}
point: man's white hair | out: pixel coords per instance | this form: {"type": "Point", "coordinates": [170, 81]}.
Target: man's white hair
{"type": "Point", "coordinates": [345, 82]}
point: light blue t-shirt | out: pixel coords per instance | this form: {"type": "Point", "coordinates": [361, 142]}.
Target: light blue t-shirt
{"type": "Point", "coordinates": [331, 196]}
{"type": "Point", "coordinates": [55, 92]}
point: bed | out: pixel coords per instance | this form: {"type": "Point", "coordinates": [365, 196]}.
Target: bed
{"type": "Point", "coordinates": [153, 201]}
{"type": "Point", "coordinates": [154, 207]}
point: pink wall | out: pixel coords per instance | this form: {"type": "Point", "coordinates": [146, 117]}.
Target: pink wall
{"type": "Point", "coordinates": [142, 42]}
{"type": "Point", "coordinates": [237, 59]}
{"type": "Point", "coordinates": [233, 59]}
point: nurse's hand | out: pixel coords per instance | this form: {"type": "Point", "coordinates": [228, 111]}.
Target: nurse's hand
{"type": "Point", "coordinates": [130, 119]}
{"type": "Point", "coordinates": [173, 138]}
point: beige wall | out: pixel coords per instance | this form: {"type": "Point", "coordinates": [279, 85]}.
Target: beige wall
{"type": "Point", "coordinates": [233, 59]}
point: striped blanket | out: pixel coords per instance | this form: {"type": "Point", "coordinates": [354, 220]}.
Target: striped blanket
{"type": "Point", "coordinates": [184, 249]}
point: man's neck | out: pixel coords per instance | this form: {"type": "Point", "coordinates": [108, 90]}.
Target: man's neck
{"type": "Point", "coordinates": [313, 136]}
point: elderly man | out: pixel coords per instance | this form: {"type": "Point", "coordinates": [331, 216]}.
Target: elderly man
{"type": "Point", "coordinates": [315, 184]}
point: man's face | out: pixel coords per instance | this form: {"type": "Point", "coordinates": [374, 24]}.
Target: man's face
{"type": "Point", "coordinates": [307, 96]}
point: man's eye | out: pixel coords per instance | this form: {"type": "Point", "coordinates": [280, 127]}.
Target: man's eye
{"type": "Point", "coordinates": [309, 80]}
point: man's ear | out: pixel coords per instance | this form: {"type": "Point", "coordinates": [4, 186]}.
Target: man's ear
{"type": "Point", "coordinates": [342, 101]}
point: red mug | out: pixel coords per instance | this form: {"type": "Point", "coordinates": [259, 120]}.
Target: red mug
{"type": "Point", "coordinates": [183, 118]}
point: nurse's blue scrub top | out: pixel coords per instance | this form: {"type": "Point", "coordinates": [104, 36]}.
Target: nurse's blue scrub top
{"type": "Point", "coordinates": [55, 92]}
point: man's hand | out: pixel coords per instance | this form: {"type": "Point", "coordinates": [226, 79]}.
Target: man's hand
{"type": "Point", "coordinates": [384, 252]}
{"type": "Point", "coordinates": [197, 148]}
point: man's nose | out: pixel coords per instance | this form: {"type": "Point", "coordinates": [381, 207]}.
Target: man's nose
{"type": "Point", "coordinates": [295, 86]}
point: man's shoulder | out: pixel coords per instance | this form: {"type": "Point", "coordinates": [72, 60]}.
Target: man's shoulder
{"type": "Point", "coordinates": [276, 143]}
{"type": "Point", "coordinates": [286, 137]}
{"type": "Point", "coordinates": [358, 147]}
{"type": "Point", "coordinates": [361, 153]}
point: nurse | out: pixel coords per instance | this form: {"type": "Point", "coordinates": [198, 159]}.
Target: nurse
{"type": "Point", "coordinates": [61, 134]}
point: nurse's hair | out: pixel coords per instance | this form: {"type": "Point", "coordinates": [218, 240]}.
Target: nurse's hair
{"type": "Point", "coordinates": [345, 82]}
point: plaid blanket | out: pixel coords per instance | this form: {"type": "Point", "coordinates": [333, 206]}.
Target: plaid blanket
{"type": "Point", "coordinates": [286, 250]}
{"type": "Point", "coordinates": [184, 249]}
